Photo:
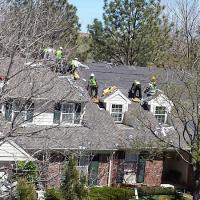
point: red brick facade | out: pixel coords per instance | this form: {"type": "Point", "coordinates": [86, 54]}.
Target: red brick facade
{"type": "Point", "coordinates": [103, 174]}
{"type": "Point", "coordinates": [54, 175]}
{"type": "Point", "coordinates": [153, 172]}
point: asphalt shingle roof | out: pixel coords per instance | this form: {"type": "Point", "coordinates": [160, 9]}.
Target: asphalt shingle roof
{"type": "Point", "coordinates": [38, 81]}
{"type": "Point", "coordinates": [98, 130]}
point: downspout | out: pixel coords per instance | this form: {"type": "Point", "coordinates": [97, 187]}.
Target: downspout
{"type": "Point", "coordinates": [110, 169]}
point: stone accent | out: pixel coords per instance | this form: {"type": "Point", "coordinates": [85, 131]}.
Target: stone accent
{"type": "Point", "coordinates": [153, 172]}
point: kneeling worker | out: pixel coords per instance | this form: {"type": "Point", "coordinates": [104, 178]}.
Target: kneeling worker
{"type": "Point", "coordinates": [92, 86]}
{"type": "Point", "coordinates": [136, 89]}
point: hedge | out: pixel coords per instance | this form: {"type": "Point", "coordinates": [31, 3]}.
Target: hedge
{"type": "Point", "coordinates": [108, 193]}
{"type": "Point", "coordinates": [146, 191]}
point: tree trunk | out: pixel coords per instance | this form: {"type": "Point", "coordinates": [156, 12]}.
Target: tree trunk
{"type": "Point", "coordinates": [196, 192]}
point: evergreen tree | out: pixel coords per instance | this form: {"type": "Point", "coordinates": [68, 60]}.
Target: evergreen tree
{"type": "Point", "coordinates": [132, 32]}
{"type": "Point", "coordinates": [73, 186]}
{"type": "Point", "coordinates": [25, 190]}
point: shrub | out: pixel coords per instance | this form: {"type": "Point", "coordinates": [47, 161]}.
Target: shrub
{"type": "Point", "coordinates": [108, 193]}
{"type": "Point", "coordinates": [54, 194]}
{"type": "Point", "coordinates": [27, 169]}
{"type": "Point", "coordinates": [146, 191]}
{"type": "Point", "coordinates": [25, 190]}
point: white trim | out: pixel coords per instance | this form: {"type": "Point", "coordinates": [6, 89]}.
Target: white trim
{"type": "Point", "coordinates": [64, 123]}
{"type": "Point", "coordinates": [165, 114]}
{"type": "Point", "coordinates": [110, 169]}
{"type": "Point", "coordinates": [118, 92]}
{"type": "Point", "coordinates": [26, 155]}
{"type": "Point", "coordinates": [122, 113]}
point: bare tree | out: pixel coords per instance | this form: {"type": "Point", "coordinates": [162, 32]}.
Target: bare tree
{"type": "Point", "coordinates": [185, 16]}
{"type": "Point", "coordinates": [26, 29]}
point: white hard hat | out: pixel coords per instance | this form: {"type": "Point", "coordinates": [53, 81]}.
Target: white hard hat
{"type": "Point", "coordinates": [75, 58]}
{"type": "Point", "coordinates": [61, 48]}
{"type": "Point", "coordinates": [92, 74]}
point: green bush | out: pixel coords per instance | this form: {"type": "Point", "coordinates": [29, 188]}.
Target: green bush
{"type": "Point", "coordinates": [25, 190]}
{"type": "Point", "coordinates": [54, 194]}
{"type": "Point", "coordinates": [146, 191]}
{"type": "Point", "coordinates": [108, 193]}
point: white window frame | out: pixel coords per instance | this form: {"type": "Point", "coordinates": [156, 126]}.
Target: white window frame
{"type": "Point", "coordinates": [23, 113]}
{"type": "Point", "coordinates": [67, 113]}
{"type": "Point", "coordinates": [161, 114]}
{"type": "Point", "coordinates": [73, 114]}
{"type": "Point", "coordinates": [122, 113]}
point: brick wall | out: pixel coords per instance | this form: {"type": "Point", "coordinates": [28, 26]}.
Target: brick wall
{"type": "Point", "coordinates": [153, 172]}
{"type": "Point", "coordinates": [103, 170]}
{"type": "Point", "coordinates": [54, 175]}
{"type": "Point", "coordinates": [115, 171]}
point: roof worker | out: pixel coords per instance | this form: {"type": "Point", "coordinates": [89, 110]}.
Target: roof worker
{"type": "Point", "coordinates": [136, 91]}
{"type": "Point", "coordinates": [59, 54]}
{"type": "Point", "coordinates": [92, 86]}
{"type": "Point", "coordinates": [74, 66]}
{"type": "Point", "coordinates": [152, 88]}
{"type": "Point", "coordinates": [49, 53]}
{"type": "Point", "coordinates": [59, 59]}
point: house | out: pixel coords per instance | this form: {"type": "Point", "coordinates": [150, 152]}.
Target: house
{"type": "Point", "coordinates": [50, 115]}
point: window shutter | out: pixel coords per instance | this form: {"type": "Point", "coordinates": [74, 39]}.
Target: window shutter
{"type": "Point", "coordinates": [77, 113]}
{"type": "Point", "coordinates": [30, 112]}
{"type": "Point", "coordinates": [8, 111]}
{"type": "Point", "coordinates": [57, 113]}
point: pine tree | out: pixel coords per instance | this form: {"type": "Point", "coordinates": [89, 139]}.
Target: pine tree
{"type": "Point", "coordinates": [25, 190]}
{"type": "Point", "coordinates": [132, 32]}
{"type": "Point", "coordinates": [73, 186]}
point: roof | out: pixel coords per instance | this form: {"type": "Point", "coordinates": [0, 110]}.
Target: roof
{"type": "Point", "coordinates": [36, 80]}
{"type": "Point", "coordinates": [98, 132]}
{"type": "Point", "coordinates": [123, 76]}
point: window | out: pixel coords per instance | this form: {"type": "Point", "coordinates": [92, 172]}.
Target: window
{"type": "Point", "coordinates": [116, 112]}
{"type": "Point", "coordinates": [161, 114]}
{"type": "Point", "coordinates": [67, 113]}
{"type": "Point", "coordinates": [19, 110]}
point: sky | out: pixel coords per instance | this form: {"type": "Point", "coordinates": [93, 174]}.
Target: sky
{"type": "Point", "coordinates": [87, 10]}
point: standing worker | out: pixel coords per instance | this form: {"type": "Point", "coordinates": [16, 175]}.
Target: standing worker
{"type": "Point", "coordinates": [59, 55]}
{"type": "Point", "coordinates": [136, 90]}
{"type": "Point", "coordinates": [152, 88]}
{"type": "Point", "coordinates": [59, 59]}
{"type": "Point", "coordinates": [74, 66]}
{"type": "Point", "coordinates": [92, 86]}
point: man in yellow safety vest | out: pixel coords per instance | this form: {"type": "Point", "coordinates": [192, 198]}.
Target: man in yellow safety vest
{"type": "Point", "coordinates": [92, 86]}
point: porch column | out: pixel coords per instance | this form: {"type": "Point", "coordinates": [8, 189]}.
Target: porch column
{"type": "Point", "coordinates": [110, 169]}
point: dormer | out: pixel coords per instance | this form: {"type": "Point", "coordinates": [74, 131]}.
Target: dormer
{"type": "Point", "coordinates": [116, 104]}
{"type": "Point", "coordinates": [160, 106]}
